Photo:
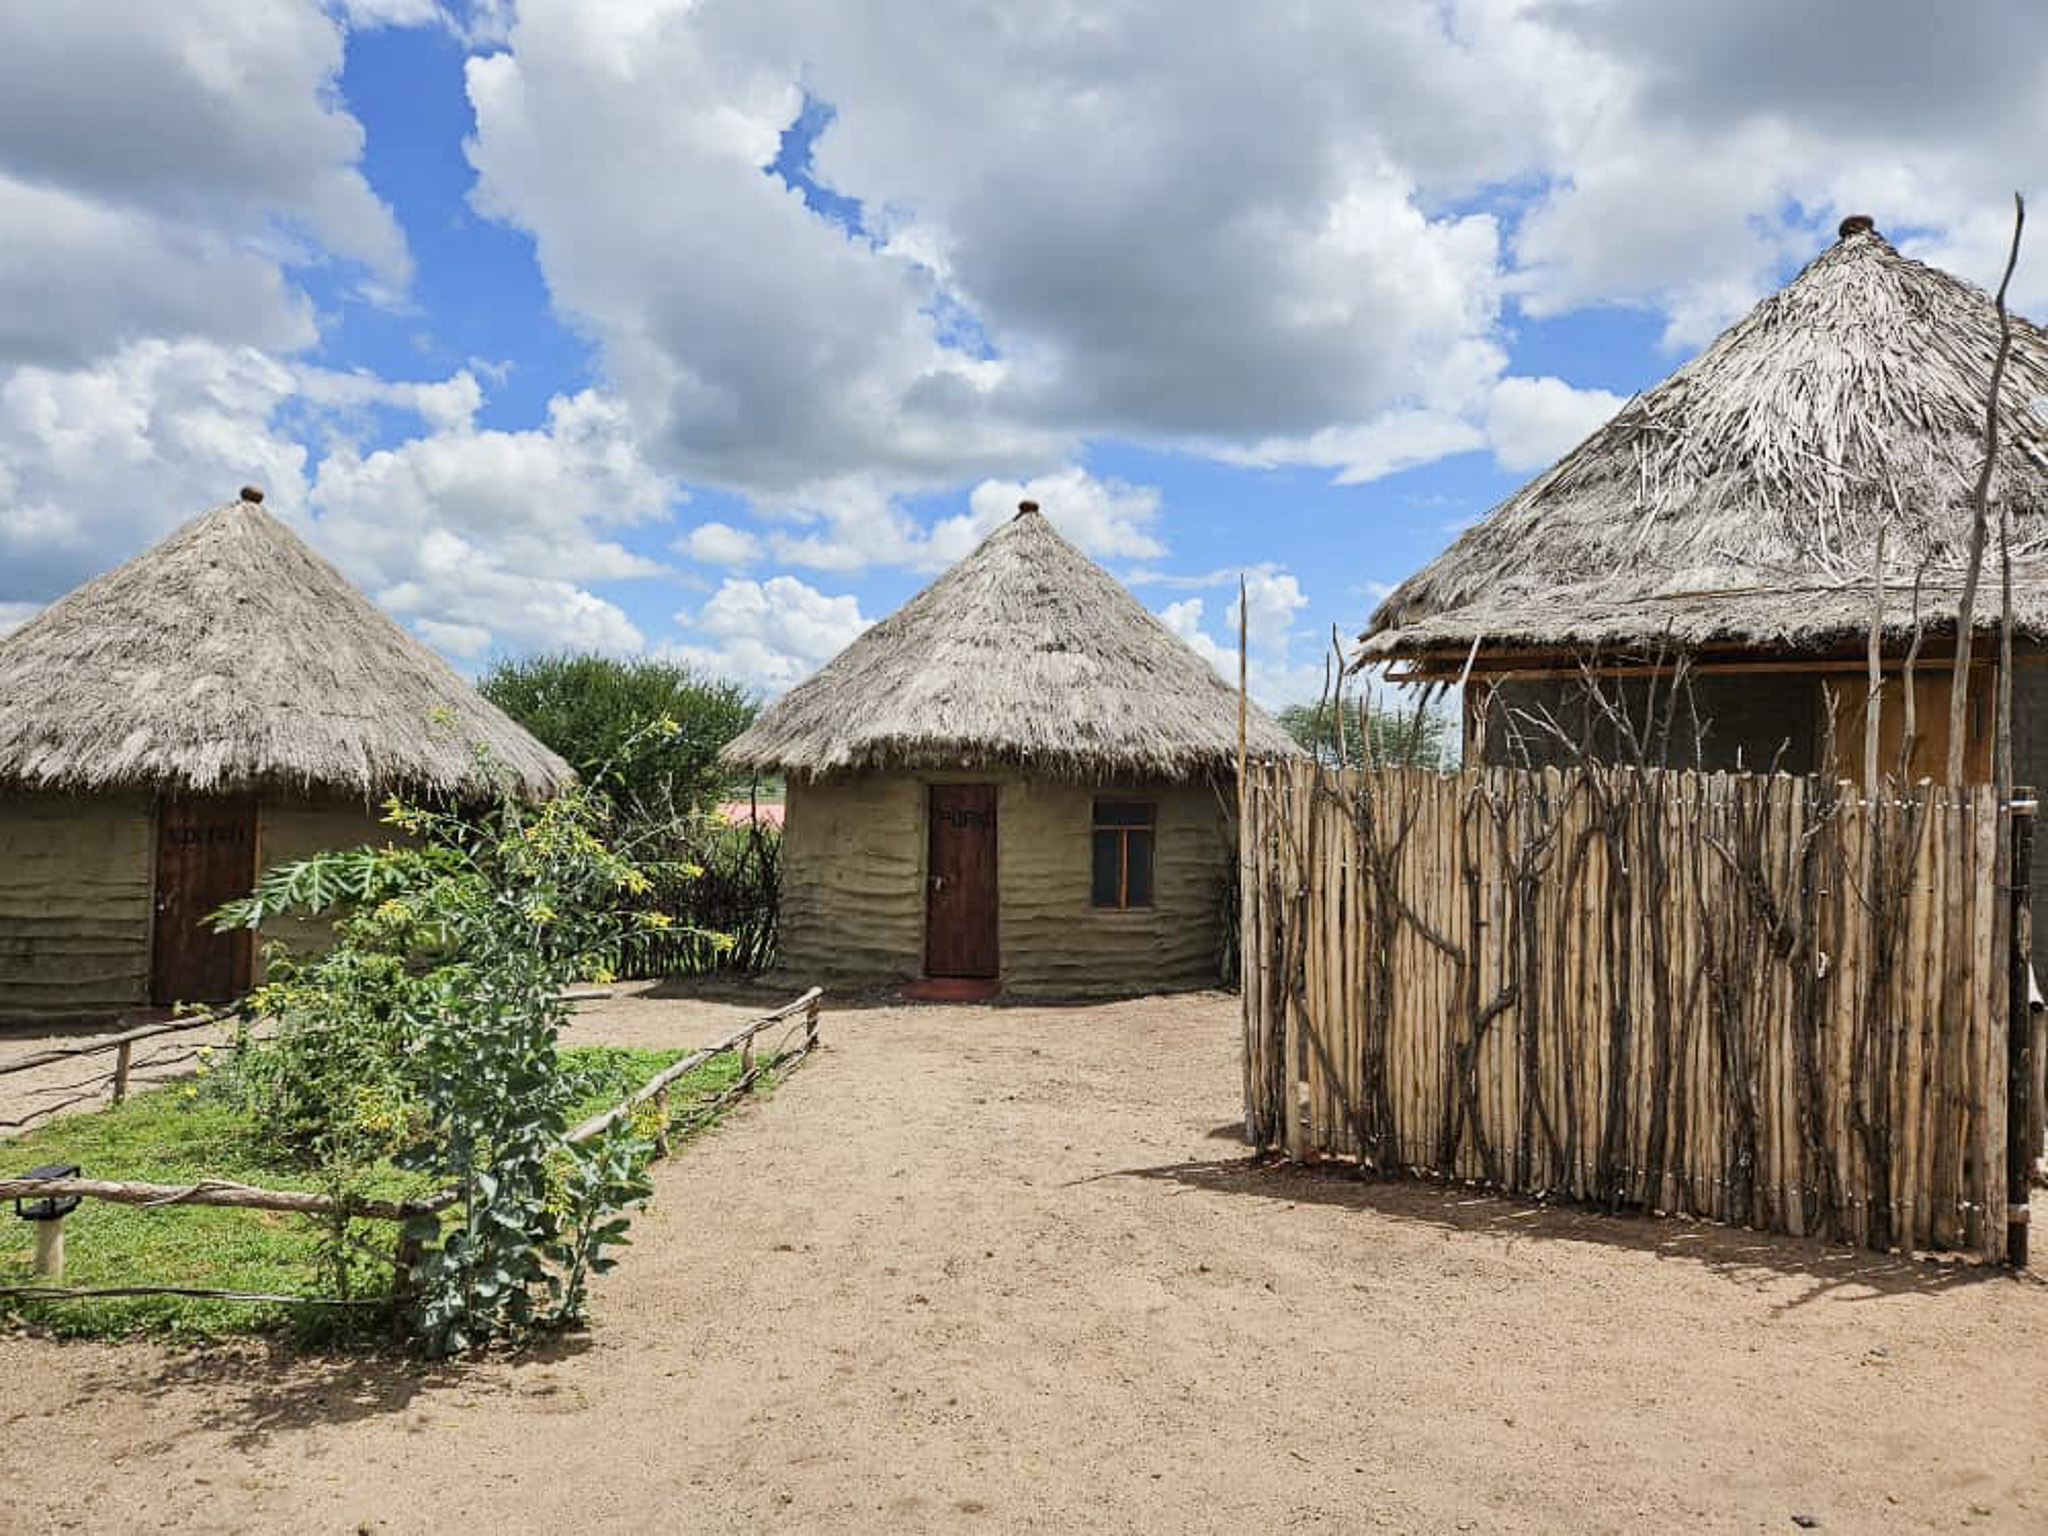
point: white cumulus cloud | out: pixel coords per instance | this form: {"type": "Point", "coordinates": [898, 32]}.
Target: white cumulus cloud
{"type": "Point", "coordinates": [768, 634]}
{"type": "Point", "coordinates": [720, 544]}
{"type": "Point", "coordinates": [1277, 671]}
{"type": "Point", "coordinates": [160, 163]}
{"type": "Point", "coordinates": [457, 527]}
{"type": "Point", "coordinates": [1531, 423]}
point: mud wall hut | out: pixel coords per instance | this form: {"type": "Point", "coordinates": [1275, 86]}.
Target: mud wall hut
{"type": "Point", "coordinates": [1020, 779]}
{"type": "Point", "coordinates": [223, 702]}
{"type": "Point", "coordinates": [1733, 516]}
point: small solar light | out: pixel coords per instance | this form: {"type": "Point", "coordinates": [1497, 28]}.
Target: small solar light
{"type": "Point", "coordinates": [48, 1213]}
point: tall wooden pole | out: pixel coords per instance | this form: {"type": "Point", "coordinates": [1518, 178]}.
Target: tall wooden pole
{"type": "Point", "coordinates": [1243, 707]}
{"type": "Point", "coordinates": [2022, 1080]}
{"type": "Point", "coordinates": [1980, 517]}
{"type": "Point", "coordinates": [1873, 700]}
{"type": "Point", "coordinates": [2021, 1138]}
{"type": "Point", "coordinates": [1246, 955]}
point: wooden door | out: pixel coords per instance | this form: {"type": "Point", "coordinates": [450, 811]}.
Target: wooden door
{"type": "Point", "coordinates": [960, 882]}
{"type": "Point", "coordinates": [205, 855]}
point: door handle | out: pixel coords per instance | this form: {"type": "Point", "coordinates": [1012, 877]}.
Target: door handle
{"type": "Point", "coordinates": [938, 883]}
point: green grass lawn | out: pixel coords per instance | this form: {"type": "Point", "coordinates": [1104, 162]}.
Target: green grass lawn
{"type": "Point", "coordinates": [175, 1135]}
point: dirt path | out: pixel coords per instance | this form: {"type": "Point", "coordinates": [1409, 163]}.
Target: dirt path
{"type": "Point", "coordinates": [77, 1084]}
{"type": "Point", "coordinates": [1006, 1269]}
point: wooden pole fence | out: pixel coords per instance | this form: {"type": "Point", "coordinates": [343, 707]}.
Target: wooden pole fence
{"type": "Point", "coordinates": [1773, 1002]}
{"type": "Point", "coordinates": [741, 1039]}
{"type": "Point", "coordinates": [120, 1043]}
{"type": "Point", "coordinates": [221, 1193]}
{"type": "Point", "coordinates": [801, 1013]}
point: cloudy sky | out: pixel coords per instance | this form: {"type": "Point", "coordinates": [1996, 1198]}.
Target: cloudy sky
{"type": "Point", "coordinates": [713, 328]}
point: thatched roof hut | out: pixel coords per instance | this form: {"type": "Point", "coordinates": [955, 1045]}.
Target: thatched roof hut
{"type": "Point", "coordinates": [1737, 504]}
{"type": "Point", "coordinates": [1732, 516]}
{"type": "Point", "coordinates": [223, 702]}
{"type": "Point", "coordinates": [230, 657]}
{"type": "Point", "coordinates": [1026, 653]}
{"type": "Point", "coordinates": [1021, 776]}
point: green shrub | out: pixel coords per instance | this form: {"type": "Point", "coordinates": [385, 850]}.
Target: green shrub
{"type": "Point", "coordinates": [428, 1035]}
{"type": "Point", "coordinates": [192, 1131]}
{"type": "Point", "coordinates": [598, 712]}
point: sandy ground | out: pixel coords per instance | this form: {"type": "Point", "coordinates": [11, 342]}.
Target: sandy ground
{"type": "Point", "coordinates": [1009, 1269]}
{"type": "Point", "coordinates": [29, 1099]}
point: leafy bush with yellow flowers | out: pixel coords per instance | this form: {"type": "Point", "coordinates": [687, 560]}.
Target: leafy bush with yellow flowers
{"type": "Point", "coordinates": [428, 1036]}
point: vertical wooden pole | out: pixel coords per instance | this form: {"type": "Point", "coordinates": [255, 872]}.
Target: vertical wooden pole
{"type": "Point", "coordinates": [661, 1123]}
{"type": "Point", "coordinates": [403, 1258]}
{"type": "Point", "coordinates": [1243, 697]}
{"type": "Point", "coordinates": [49, 1262]}
{"type": "Point", "coordinates": [121, 1070]}
{"type": "Point", "coordinates": [1980, 502]}
{"type": "Point", "coordinates": [1247, 993]}
{"type": "Point", "coordinates": [1873, 700]}
{"type": "Point", "coordinates": [2019, 1155]}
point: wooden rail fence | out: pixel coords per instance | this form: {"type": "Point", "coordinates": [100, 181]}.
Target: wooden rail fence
{"type": "Point", "coordinates": [113, 1080]}
{"type": "Point", "coordinates": [797, 1021]}
{"type": "Point", "coordinates": [1762, 1001]}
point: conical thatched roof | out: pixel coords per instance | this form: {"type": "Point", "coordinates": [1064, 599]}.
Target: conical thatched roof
{"type": "Point", "coordinates": [1738, 502]}
{"type": "Point", "coordinates": [1026, 652]}
{"type": "Point", "coordinates": [232, 657]}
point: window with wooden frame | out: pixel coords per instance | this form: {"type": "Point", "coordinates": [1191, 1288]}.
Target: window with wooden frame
{"type": "Point", "coordinates": [1124, 834]}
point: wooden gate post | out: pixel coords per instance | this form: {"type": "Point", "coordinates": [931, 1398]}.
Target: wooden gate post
{"type": "Point", "coordinates": [2021, 1083]}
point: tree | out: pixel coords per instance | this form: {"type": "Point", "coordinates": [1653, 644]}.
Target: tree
{"type": "Point", "coordinates": [1385, 738]}
{"type": "Point", "coordinates": [595, 711]}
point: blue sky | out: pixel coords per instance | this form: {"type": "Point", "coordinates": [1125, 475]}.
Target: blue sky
{"type": "Point", "coordinates": [713, 331]}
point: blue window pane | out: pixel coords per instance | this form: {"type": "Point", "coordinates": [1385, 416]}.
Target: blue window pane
{"type": "Point", "coordinates": [1103, 892]}
{"type": "Point", "coordinates": [1138, 869]}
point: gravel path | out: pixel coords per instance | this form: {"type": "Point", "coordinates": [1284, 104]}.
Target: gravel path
{"type": "Point", "coordinates": [1008, 1269]}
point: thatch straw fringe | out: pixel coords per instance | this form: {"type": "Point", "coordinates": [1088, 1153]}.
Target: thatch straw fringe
{"type": "Point", "coordinates": [1025, 653]}
{"type": "Point", "coordinates": [1738, 502]}
{"type": "Point", "coordinates": [231, 657]}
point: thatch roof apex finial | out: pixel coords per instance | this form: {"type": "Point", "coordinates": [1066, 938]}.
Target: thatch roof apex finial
{"type": "Point", "coordinates": [253, 494]}
{"type": "Point", "coordinates": [1026, 508]}
{"type": "Point", "coordinates": [1856, 224]}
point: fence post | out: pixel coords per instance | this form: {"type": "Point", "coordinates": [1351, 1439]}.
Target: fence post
{"type": "Point", "coordinates": [2021, 1083]}
{"type": "Point", "coordinates": [121, 1071]}
{"type": "Point", "coordinates": [403, 1258]}
{"type": "Point", "coordinates": [49, 1261]}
